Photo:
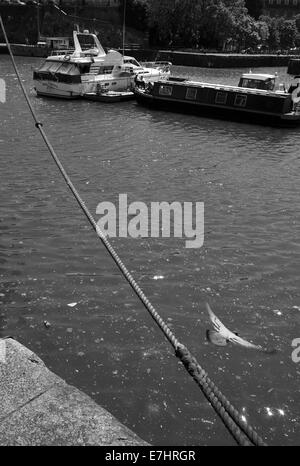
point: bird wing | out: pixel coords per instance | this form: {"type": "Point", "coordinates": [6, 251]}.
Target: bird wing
{"type": "Point", "coordinates": [226, 333]}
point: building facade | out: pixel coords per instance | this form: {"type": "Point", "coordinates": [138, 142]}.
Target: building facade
{"type": "Point", "coordinates": [287, 8]}
{"type": "Point", "coordinates": [94, 3]}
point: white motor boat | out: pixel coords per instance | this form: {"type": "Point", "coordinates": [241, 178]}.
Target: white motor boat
{"type": "Point", "coordinates": [89, 69]}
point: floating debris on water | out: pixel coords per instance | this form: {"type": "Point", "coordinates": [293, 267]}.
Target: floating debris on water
{"type": "Point", "coordinates": [153, 409]}
{"type": "Point", "coordinates": [276, 311]}
{"type": "Point", "coordinates": [47, 324]}
{"type": "Point", "coordinates": [269, 411]}
{"type": "Point", "coordinates": [274, 411]}
{"type": "Point", "coordinates": [72, 304]}
{"type": "Point", "coordinates": [158, 277]}
{"type": "Point", "coordinates": [98, 340]}
{"type": "Point", "coordinates": [206, 421]}
{"type": "Point", "coordinates": [294, 307]}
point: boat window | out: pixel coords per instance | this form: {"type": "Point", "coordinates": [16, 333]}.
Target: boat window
{"type": "Point", "coordinates": [221, 98]}
{"type": "Point", "coordinates": [50, 66]}
{"type": "Point", "coordinates": [250, 83]}
{"type": "Point", "coordinates": [133, 62]}
{"type": "Point", "coordinates": [45, 66]}
{"type": "Point", "coordinates": [240, 100]}
{"type": "Point", "coordinates": [105, 69]}
{"type": "Point", "coordinates": [54, 66]}
{"type": "Point", "coordinates": [191, 93]}
{"type": "Point", "coordinates": [165, 90]}
{"type": "Point", "coordinates": [267, 84]}
{"type": "Point", "coordinates": [84, 67]}
{"type": "Point", "coordinates": [124, 74]}
{"type": "Point", "coordinates": [128, 69]}
{"type": "Point", "coordinates": [65, 68]}
{"type": "Point", "coordinates": [73, 70]}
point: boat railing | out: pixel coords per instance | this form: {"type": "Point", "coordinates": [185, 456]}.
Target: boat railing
{"type": "Point", "coordinates": [62, 52]}
{"type": "Point", "coordinates": [165, 65]}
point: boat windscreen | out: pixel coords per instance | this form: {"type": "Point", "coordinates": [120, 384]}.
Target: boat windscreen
{"type": "Point", "coordinates": [267, 84]}
{"type": "Point", "coordinates": [86, 41]}
{"type": "Point", "coordinates": [46, 66]}
{"type": "Point", "coordinates": [60, 67]}
{"type": "Point", "coordinates": [74, 70]}
{"type": "Point", "coordinates": [65, 68]}
{"type": "Point", "coordinates": [131, 61]}
{"type": "Point", "coordinates": [54, 66]}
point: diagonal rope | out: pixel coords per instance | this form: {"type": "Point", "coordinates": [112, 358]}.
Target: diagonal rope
{"type": "Point", "coordinates": [242, 432]}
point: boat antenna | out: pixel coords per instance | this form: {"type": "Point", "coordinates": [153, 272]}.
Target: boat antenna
{"type": "Point", "coordinates": [124, 25]}
{"type": "Point", "coordinates": [38, 20]}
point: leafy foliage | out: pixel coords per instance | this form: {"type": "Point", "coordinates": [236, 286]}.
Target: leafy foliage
{"type": "Point", "coordinates": [195, 23]}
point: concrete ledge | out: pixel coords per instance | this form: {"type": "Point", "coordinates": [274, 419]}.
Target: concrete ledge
{"type": "Point", "coordinates": [38, 408]}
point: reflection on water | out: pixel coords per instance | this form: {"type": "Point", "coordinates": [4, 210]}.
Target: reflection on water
{"type": "Point", "coordinates": [53, 268]}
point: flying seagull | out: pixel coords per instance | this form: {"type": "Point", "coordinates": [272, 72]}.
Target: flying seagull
{"type": "Point", "coordinates": [221, 336]}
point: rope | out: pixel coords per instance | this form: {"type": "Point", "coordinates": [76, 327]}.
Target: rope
{"type": "Point", "coordinates": [243, 433]}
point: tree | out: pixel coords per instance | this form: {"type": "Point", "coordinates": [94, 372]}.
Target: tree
{"type": "Point", "coordinates": [136, 13]}
{"type": "Point", "coordinates": [288, 33]}
{"type": "Point", "coordinates": [209, 23]}
{"type": "Point", "coordinates": [297, 20]}
{"type": "Point", "coordinates": [248, 32]}
{"type": "Point", "coordinates": [274, 36]}
{"type": "Point", "coordinates": [175, 21]}
{"type": "Point", "coordinates": [254, 7]}
{"type": "Point", "coordinates": [229, 20]}
{"type": "Point", "coordinates": [263, 30]}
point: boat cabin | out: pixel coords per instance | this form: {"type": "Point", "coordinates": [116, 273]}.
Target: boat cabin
{"type": "Point", "coordinates": [266, 82]}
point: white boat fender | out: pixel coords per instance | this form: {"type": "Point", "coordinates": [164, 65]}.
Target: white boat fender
{"type": "Point", "coordinates": [296, 94]}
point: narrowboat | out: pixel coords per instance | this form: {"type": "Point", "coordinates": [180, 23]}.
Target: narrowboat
{"type": "Point", "coordinates": [257, 98]}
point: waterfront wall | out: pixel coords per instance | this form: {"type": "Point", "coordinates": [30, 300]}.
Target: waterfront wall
{"type": "Point", "coordinates": [39, 408]}
{"type": "Point", "coordinates": [214, 60]}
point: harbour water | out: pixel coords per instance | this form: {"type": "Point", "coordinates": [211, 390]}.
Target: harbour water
{"type": "Point", "coordinates": [100, 338]}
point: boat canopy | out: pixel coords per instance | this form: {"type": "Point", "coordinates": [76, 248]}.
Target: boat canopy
{"type": "Point", "coordinates": [55, 66]}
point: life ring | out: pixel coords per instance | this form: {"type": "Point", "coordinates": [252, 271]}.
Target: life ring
{"type": "Point", "coordinates": [67, 58]}
{"type": "Point", "coordinates": [296, 95]}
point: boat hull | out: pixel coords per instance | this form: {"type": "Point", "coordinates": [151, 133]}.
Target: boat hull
{"type": "Point", "coordinates": [218, 112]}
{"type": "Point", "coordinates": [52, 89]}
{"type": "Point", "coordinates": [110, 97]}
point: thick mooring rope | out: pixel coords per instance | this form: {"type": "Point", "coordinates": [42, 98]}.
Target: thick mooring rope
{"type": "Point", "coordinates": [242, 432]}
